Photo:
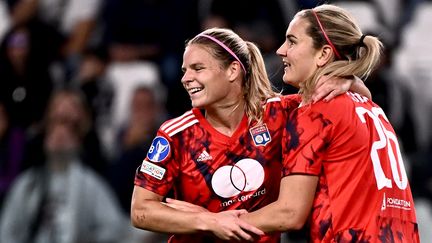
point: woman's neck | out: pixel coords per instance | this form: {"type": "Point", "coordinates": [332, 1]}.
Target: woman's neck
{"type": "Point", "coordinates": [226, 119]}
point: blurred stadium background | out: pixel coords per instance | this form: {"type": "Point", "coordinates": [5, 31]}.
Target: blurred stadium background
{"type": "Point", "coordinates": [111, 69]}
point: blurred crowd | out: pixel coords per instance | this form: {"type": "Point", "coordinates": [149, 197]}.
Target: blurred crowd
{"type": "Point", "coordinates": [84, 85]}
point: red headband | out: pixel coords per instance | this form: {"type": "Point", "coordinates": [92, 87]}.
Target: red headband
{"type": "Point", "coordinates": [326, 37]}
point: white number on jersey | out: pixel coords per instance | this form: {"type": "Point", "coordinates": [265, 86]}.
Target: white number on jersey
{"type": "Point", "coordinates": [388, 141]}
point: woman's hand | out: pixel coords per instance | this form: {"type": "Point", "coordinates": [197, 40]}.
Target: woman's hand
{"type": "Point", "coordinates": [226, 225]}
{"type": "Point", "coordinates": [329, 87]}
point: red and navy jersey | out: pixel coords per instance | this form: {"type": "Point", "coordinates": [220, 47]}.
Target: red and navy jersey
{"type": "Point", "coordinates": [363, 193]}
{"type": "Point", "coordinates": [218, 172]}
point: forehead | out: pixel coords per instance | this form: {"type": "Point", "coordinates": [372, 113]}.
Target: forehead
{"type": "Point", "coordinates": [196, 53]}
{"type": "Point", "coordinates": [297, 27]}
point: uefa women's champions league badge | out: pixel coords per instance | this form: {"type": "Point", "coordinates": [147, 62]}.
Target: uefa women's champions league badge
{"type": "Point", "coordinates": [260, 135]}
{"type": "Point", "coordinates": [159, 150]}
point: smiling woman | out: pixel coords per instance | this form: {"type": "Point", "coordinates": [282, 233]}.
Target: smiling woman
{"type": "Point", "coordinates": [299, 56]}
{"type": "Point", "coordinates": [242, 81]}
{"type": "Point", "coordinates": [208, 155]}
{"type": "Point", "coordinates": [224, 154]}
{"type": "Point", "coordinates": [205, 93]}
{"type": "Point", "coordinates": [342, 161]}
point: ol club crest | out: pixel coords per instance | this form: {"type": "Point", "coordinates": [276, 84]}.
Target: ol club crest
{"type": "Point", "coordinates": [260, 135]}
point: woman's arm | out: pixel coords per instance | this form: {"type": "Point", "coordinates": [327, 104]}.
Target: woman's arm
{"type": "Point", "coordinates": [329, 87]}
{"type": "Point", "coordinates": [291, 209]}
{"type": "Point", "coordinates": [147, 212]}
{"type": "Point", "coordinates": [289, 212]}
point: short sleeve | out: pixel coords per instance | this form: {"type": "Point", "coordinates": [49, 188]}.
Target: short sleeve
{"type": "Point", "coordinates": [160, 167]}
{"type": "Point", "coordinates": [306, 136]}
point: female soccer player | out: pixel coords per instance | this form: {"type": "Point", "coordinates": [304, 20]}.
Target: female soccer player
{"type": "Point", "coordinates": [341, 158]}
{"type": "Point", "coordinates": [225, 154]}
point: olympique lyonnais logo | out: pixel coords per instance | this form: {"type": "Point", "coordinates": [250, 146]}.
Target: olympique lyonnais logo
{"type": "Point", "coordinates": [159, 149]}
{"type": "Point", "coordinates": [246, 175]}
{"type": "Point", "coordinates": [260, 135]}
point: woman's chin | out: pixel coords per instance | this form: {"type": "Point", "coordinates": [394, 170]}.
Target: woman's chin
{"type": "Point", "coordinates": [196, 104]}
{"type": "Point", "coordinates": [291, 82]}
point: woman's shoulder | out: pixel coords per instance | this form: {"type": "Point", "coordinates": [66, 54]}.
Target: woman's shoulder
{"type": "Point", "coordinates": [177, 124]}
{"type": "Point", "coordinates": [284, 100]}
{"type": "Point", "coordinates": [335, 109]}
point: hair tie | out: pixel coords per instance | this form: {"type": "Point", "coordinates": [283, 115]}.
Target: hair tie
{"type": "Point", "coordinates": [361, 43]}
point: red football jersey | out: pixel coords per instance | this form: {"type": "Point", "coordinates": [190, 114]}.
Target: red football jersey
{"type": "Point", "coordinates": [210, 169]}
{"type": "Point", "coordinates": [363, 193]}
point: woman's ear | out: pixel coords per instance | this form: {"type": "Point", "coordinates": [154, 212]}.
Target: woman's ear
{"type": "Point", "coordinates": [234, 70]}
{"type": "Point", "coordinates": [324, 55]}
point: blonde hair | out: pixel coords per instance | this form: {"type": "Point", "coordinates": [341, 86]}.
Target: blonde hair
{"type": "Point", "coordinates": [257, 87]}
{"type": "Point", "coordinates": [360, 54]}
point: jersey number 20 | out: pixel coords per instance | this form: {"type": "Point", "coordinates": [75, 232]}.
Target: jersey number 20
{"type": "Point", "coordinates": [388, 141]}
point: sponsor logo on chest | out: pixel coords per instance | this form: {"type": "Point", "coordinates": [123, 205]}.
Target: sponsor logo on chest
{"type": "Point", "coordinates": [239, 182]}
